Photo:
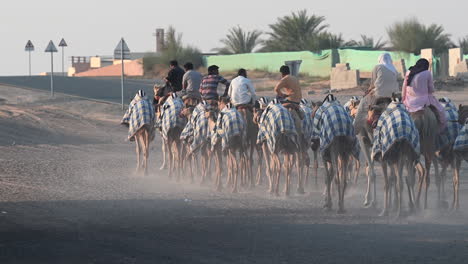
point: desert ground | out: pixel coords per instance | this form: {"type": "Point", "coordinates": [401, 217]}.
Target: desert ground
{"type": "Point", "coordinates": [69, 194]}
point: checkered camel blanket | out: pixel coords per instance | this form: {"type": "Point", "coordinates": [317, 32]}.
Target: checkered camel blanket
{"type": "Point", "coordinates": [461, 143]}
{"type": "Point", "coordinates": [140, 112]}
{"type": "Point", "coordinates": [229, 124]}
{"type": "Point", "coordinates": [171, 116]}
{"type": "Point", "coordinates": [394, 125]}
{"type": "Point", "coordinates": [448, 137]}
{"type": "Point", "coordinates": [331, 120]}
{"type": "Point", "coordinates": [276, 121]}
{"type": "Point", "coordinates": [307, 126]}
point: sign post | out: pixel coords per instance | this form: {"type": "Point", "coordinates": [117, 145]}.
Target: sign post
{"type": "Point", "coordinates": [122, 52]}
{"type": "Point", "coordinates": [29, 48]}
{"type": "Point", "coordinates": [63, 44]}
{"type": "Point", "coordinates": [51, 48]}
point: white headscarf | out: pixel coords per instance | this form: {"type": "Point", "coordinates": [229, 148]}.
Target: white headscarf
{"type": "Point", "coordinates": [386, 60]}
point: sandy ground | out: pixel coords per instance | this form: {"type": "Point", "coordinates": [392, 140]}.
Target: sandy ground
{"type": "Point", "coordinates": [68, 194]}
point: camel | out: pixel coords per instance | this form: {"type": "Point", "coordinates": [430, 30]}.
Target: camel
{"type": "Point", "coordinates": [278, 133]}
{"type": "Point", "coordinates": [252, 130]}
{"type": "Point", "coordinates": [230, 130]}
{"type": "Point", "coordinates": [186, 137]}
{"type": "Point", "coordinates": [172, 124]}
{"type": "Point", "coordinates": [215, 151]}
{"type": "Point", "coordinates": [262, 148]}
{"type": "Point", "coordinates": [446, 156]}
{"type": "Point", "coordinates": [140, 118]}
{"type": "Point", "coordinates": [428, 127]}
{"type": "Point", "coordinates": [337, 144]}
{"type": "Point", "coordinates": [397, 146]}
{"type": "Point", "coordinates": [461, 151]}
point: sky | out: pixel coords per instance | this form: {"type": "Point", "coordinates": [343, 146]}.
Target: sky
{"type": "Point", "coordinates": [95, 27]}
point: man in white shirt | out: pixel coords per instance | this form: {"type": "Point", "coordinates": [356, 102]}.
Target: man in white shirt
{"type": "Point", "coordinates": [241, 90]}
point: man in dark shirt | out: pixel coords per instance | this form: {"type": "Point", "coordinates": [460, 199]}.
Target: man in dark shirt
{"type": "Point", "coordinates": [174, 76]}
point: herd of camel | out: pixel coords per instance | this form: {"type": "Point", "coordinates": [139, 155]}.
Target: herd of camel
{"type": "Point", "coordinates": [290, 156]}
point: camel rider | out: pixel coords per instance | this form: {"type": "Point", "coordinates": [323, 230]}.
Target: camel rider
{"type": "Point", "coordinates": [384, 83]}
{"type": "Point", "coordinates": [289, 91]}
{"type": "Point", "coordinates": [173, 83]}
{"type": "Point", "coordinates": [209, 85]}
{"type": "Point", "coordinates": [191, 85]}
{"type": "Point", "coordinates": [241, 91]}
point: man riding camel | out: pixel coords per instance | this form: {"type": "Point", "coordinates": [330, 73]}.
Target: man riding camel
{"type": "Point", "coordinates": [191, 85]}
{"type": "Point", "coordinates": [241, 91]}
{"type": "Point", "coordinates": [289, 91]}
{"type": "Point", "coordinates": [209, 85]}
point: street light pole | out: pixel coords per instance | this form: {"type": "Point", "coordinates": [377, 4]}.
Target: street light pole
{"type": "Point", "coordinates": [29, 63]}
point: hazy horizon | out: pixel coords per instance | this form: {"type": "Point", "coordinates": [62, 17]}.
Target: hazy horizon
{"type": "Point", "coordinates": [95, 27]}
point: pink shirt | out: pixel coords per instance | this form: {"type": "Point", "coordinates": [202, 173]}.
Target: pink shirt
{"type": "Point", "coordinates": [420, 94]}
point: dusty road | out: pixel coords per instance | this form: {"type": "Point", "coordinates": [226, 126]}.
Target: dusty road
{"type": "Point", "coordinates": [68, 194]}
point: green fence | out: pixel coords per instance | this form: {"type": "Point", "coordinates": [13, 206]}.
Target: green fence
{"type": "Point", "coordinates": [365, 60]}
{"type": "Point", "coordinates": [313, 64]}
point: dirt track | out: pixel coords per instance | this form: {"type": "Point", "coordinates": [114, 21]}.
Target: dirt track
{"type": "Point", "coordinates": [68, 194]}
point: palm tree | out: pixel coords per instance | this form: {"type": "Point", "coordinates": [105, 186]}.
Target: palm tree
{"type": "Point", "coordinates": [463, 44]}
{"type": "Point", "coordinates": [412, 36]}
{"type": "Point", "coordinates": [295, 32]}
{"type": "Point", "coordinates": [328, 40]}
{"type": "Point", "coordinates": [239, 41]}
{"type": "Point", "coordinates": [366, 41]}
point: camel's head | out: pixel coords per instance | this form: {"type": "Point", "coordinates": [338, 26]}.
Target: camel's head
{"type": "Point", "coordinates": [315, 107]}
{"type": "Point", "coordinates": [187, 112]}
{"type": "Point", "coordinates": [353, 106]}
{"type": "Point", "coordinates": [259, 106]}
{"type": "Point", "coordinates": [463, 114]}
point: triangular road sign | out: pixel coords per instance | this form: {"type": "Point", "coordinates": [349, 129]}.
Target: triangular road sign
{"type": "Point", "coordinates": [122, 46]}
{"type": "Point", "coordinates": [51, 47]}
{"type": "Point", "coordinates": [29, 46]}
{"type": "Point", "coordinates": [63, 43]}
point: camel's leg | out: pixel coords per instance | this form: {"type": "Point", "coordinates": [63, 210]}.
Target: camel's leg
{"type": "Point", "coordinates": [235, 170]}
{"type": "Point", "coordinates": [456, 178]}
{"type": "Point", "coordinates": [260, 165]}
{"type": "Point", "coordinates": [316, 165]}
{"type": "Point", "coordinates": [176, 150]}
{"type": "Point", "coordinates": [410, 180]}
{"type": "Point", "coordinates": [278, 173]}
{"type": "Point", "coordinates": [343, 166]}
{"type": "Point", "coordinates": [301, 164]}
{"type": "Point", "coordinates": [427, 180]}
{"type": "Point", "coordinates": [399, 184]}
{"type": "Point", "coordinates": [438, 181]}
{"type": "Point", "coordinates": [386, 189]}
{"type": "Point", "coordinates": [287, 173]}
{"type": "Point", "coordinates": [328, 183]}
{"type": "Point", "coordinates": [219, 169]}
{"type": "Point", "coordinates": [369, 200]}
{"type": "Point", "coordinates": [163, 148]}
{"type": "Point", "coordinates": [138, 151]}
{"type": "Point", "coordinates": [337, 171]}
{"type": "Point", "coordinates": [357, 168]}
{"type": "Point", "coordinates": [146, 150]}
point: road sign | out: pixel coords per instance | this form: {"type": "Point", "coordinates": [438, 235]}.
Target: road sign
{"type": "Point", "coordinates": [122, 48]}
{"type": "Point", "coordinates": [51, 47]}
{"type": "Point", "coordinates": [63, 43]}
{"type": "Point", "coordinates": [29, 46]}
